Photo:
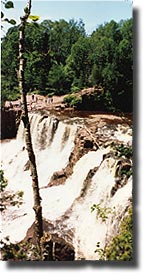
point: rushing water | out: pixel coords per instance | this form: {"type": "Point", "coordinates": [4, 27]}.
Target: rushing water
{"type": "Point", "coordinates": [67, 207]}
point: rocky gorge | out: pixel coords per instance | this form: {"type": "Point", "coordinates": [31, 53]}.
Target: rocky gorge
{"type": "Point", "coordinates": [81, 161]}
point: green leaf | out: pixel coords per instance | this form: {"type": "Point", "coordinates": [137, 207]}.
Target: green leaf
{"type": "Point", "coordinates": [26, 10]}
{"type": "Point", "coordinates": [2, 15]}
{"type": "Point", "coordinates": [6, 19]}
{"type": "Point", "coordinates": [51, 54]}
{"type": "Point", "coordinates": [12, 21]}
{"type": "Point", "coordinates": [34, 17]}
{"type": "Point", "coordinates": [9, 5]}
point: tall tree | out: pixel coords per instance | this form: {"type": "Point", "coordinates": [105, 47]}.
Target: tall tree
{"type": "Point", "coordinates": [79, 62]}
{"type": "Point", "coordinates": [25, 118]}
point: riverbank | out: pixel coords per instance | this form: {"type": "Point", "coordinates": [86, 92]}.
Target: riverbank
{"type": "Point", "coordinates": [56, 107]}
{"type": "Point", "coordinates": [10, 115]}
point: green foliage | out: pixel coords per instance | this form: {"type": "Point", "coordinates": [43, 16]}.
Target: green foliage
{"type": "Point", "coordinates": [115, 66]}
{"type": "Point", "coordinates": [102, 212]}
{"type": "Point", "coordinates": [100, 251]}
{"type": "Point", "coordinates": [7, 93]}
{"type": "Point", "coordinates": [108, 101]}
{"type": "Point", "coordinates": [26, 10]}
{"type": "Point", "coordinates": [9, 65]}
{"type": "Point", "coordinates": [23, 251]}
{"type": "Point", "coordinates": [126, 171]}
{"type": "Point", "coordinates": [67, 99]}
{"type": "Point", "coordinates": [3, 181]}
{"type": "Point", "coordinates": [57, 79]}
{"type": "Point", "coordinates": [8, 198]}
{"type": "Point", "coordinates": [121, 246]}
{"type": "Point", "coordinates": [127, 153]}
{"type": "Point", "coordinates": [76, 102]}
{"type": "Point", "coordinates": [79, 62]}
{"type": "Point", "coordinates": [9, 5]}
{"type": "Point", "coordinates": [75, 89]}
{"type": "Point", "coordinates": [34, 17]}
{"type": "Point", "coordinates": [72, 100]}
{"type": "Point", "coordinates": [2, 14]}
{"type": "Point", "coordinates": [61, 59]}
{"type": "Point", "coordinates": [26, 250]}
{"type": "Point", "coordinates": [122, 150]}
{"type": "Point", "coordinates": [12, 21]}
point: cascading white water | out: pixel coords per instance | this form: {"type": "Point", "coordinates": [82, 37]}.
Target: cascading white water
{"type": "Point", "coordinates": [67, 206]}
{"type": "Point", "coordinates": [50, 157]}
{"type": "Point", "coordinates": [89, 227]}
{"type": "Point", "coordinates": [51, 149]}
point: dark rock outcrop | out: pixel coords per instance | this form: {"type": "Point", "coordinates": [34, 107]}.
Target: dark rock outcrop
{"type": "Point", "coordinates": [55, 248]}
{"type": "Point", "coordinates": [8, 124]}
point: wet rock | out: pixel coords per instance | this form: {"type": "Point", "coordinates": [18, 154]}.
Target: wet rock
{"type": "Point", "coordinates": [88, 144]}
{"type": "Point", "coordinates": [58, 178]}
{"type": "Point", "coordinates": [54, 248]}
{"type": "Point", "coordinates": [122, 173]}
{"type": "Point", "coordinates": [58, 175]}
{"type": "Point", "coordinates": [63, 250]}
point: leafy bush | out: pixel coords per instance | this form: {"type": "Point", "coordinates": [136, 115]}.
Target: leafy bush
{"type": "Point", "coordinates": [67, 99]}
{"type": "Point", "coordinates": [8, 198]}
{"type": "Point", "coordinates": [73, 100]}
{"type": "Point", "coordinates": [121, 246]}
{"type": "Point", "coordinates": [24, 251]}
{"type": "Point", "coordinates": [76, 102]}
{"type": "Point", "coordinates": [8, 94]}
{"type": "Point", "coordinates": [102, 212]}
{"type": "Point", "coordinates": [126, 171]}
{"type": "Point", "coordinates": [122, 150]}
{"type": "Point", "coordinates": [75, 89]}
{"type": "Point", "coordinates": [3, 181]}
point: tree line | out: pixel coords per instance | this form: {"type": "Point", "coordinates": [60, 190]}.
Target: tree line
{"type": "Point", "coordinates": [62, 59]}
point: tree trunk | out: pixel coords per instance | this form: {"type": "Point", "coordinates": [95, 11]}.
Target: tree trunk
{"type": "Point", "coordinates": [37, 199]}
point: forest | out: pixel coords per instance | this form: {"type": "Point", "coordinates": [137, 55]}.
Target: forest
{"type": "Point", "coordinates": [61, 59]}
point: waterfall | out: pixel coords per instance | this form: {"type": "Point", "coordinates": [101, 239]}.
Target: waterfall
{"type": "Point", "coordinates": [51, 149]}
{"type": "Point", "coordinates": [66, 207]}
{"type": "Point", "coordinates": [89, 223]}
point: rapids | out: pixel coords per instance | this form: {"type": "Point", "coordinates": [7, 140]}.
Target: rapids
{"type": "Point", "coordinates": [67, 207]}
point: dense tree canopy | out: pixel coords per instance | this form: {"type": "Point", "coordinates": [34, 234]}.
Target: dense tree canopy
{"type": "Point", "coordinates": [61, 59]}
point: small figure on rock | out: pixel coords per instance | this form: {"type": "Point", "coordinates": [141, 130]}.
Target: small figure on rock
{"type": "Point", "coordinates": [32, 97]}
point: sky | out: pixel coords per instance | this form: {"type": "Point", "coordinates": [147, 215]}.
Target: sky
{"type": "Point", "coordinates": [93, 13]}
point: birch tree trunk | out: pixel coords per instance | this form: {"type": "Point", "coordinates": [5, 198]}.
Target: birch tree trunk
{"type": "Point", "coordinates": [33, 168]}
